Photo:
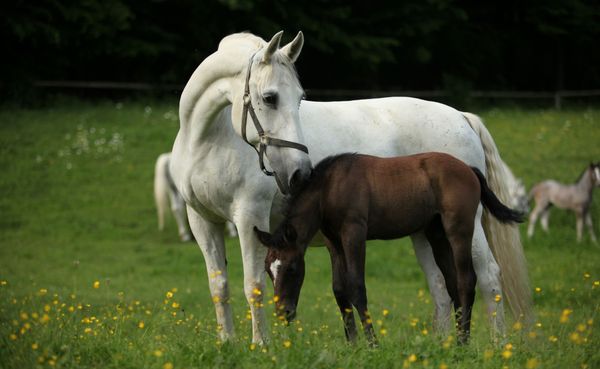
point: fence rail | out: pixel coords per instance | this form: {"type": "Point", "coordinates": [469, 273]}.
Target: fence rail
{"type": "Point", "coordinates": [557, 96]}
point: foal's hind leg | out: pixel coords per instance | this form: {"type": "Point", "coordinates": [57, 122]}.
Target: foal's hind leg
{"type": "Point", "coordinates": [436, 283]}
{"type": "Point", "coordinates": [544, 219]}
{"type": "Point", "coordinates": [579, 216]}
{"type": "Point", "coordinates": [442, 253]}
{"type": "Point", "coordinates": [459, 231]}
{"type": "Point", "coordinates": [541, 205]}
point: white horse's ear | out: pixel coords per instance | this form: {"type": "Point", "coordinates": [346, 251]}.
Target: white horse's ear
{"type": "Point", "coordinates": [271, 47]}
{"type": "Point", "coordinates": [292, 50]}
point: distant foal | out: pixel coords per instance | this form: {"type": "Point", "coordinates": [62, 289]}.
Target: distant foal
{"type": "Point", "coordinates": [576, 197]}
{"type": "Point", "coordinates": [352, 198]}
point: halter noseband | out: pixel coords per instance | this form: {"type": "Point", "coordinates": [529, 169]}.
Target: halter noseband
{"type": "Point", "coordinates": [264, 140]}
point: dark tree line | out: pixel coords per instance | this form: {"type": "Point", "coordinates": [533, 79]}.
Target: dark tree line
{"type": "Point", "coordinates": [367, 44]}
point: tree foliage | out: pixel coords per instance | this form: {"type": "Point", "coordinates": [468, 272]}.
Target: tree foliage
{"type": "Point", "coordinates": [384, 44]}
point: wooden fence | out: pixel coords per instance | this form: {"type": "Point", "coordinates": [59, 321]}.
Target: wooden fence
{"type": "Point", "coordinates": [556, 96]}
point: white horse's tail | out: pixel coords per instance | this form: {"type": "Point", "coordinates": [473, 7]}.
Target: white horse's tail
{"type": "Point", "coordinates": [161, 187]}
{"type": "Point", "coordinates": [504, 239]}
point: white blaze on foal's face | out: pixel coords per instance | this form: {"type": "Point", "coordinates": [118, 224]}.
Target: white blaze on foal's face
{"type": "Point", "coordinates": [274, 269]}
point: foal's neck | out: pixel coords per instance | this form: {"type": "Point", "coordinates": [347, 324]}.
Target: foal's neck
{"type": "Point", "coordinates": [586, 182]}
{"type": "Point", "coordinates": [305, 215]}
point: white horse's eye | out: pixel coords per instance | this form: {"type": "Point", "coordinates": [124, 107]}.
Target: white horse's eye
{"type": "Point", "coordinates": [271, 99]}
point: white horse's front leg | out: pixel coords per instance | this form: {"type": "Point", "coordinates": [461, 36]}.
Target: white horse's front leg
{"type": "Point", "coordinates": [253, 258]}
{"type": "Point", "coordinates": [437, 285]}
{"type": "Point", "coordinates": [209, 237]}
{"type": "Point", "coordinates": [488, 278]}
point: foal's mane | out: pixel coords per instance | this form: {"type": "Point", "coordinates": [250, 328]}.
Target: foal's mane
{"type": "Point", "coordinates": [316, 178]}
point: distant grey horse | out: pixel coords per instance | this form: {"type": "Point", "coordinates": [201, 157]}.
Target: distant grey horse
{"type": "Point", "coordinates": [576, 197]}
{"type": "Point", "coordinates": [165, 193]}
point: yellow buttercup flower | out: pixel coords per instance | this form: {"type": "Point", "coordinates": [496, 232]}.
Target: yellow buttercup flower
{"type": "Point", "coordinates": [532, 363]}
{"type": "Point", "coordinates": [487, 354]}
{"type": "Point", "coordinates": [287, 343]}
{"type": "Point", "coordinates": [168, 365]}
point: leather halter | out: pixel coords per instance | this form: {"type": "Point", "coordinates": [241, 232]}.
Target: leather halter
{"type": "Point", "coordinates": [264, 140]}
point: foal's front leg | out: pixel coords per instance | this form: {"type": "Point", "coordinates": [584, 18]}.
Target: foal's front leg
{"type": "Point", "coordinates": [339, 272]}
{"type": "Point", "coordinates": [590, 225]}
{"type": "Point", "coordinates": [354, 246]}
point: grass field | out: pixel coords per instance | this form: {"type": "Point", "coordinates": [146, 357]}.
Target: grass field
{"type": "Point", "coordinates": [87, 281]}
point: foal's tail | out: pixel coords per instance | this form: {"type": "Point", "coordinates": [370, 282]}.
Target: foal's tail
{"type": "Point", "coordinates": [504, 238]}
{"type": "Point", "coordinates": [161, 188]}
{"type": "Point", "coordinates": [489, 201]}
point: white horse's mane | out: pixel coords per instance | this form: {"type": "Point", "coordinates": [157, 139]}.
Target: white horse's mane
{"type": "Point", "coordinates": [233, 40]}
{"type": "Point", "coordinates": [265, 75]}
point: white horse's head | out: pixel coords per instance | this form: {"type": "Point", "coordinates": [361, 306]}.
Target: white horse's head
{"type": "Point", "coordinates": [271, 102]}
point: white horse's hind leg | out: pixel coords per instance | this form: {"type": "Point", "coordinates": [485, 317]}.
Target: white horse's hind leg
{"type": "Point", "coordinates": [179, 210]}
{"type": "Point", "coordinates": [488, 278]}
{"type": "Point", "coordinates": [209, 237]}
{"type": "Point", "coordinates": [437, 286]}
{"type": "Point", "coordinates": [253, 258]}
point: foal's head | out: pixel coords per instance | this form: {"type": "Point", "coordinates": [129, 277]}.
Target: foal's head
{"type": "Point", "coordinates": [285, 265]}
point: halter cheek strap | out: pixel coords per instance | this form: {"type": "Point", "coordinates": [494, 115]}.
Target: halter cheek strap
{"type": "Point", "coordinates": [264, 139]}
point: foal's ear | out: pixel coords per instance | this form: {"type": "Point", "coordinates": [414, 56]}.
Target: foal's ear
{"type": "Point", "coordinates": [264, 237]}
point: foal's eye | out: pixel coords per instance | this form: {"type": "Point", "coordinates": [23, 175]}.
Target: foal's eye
{"type": "Point", "coordinates": [293, 267]}
{"type": "Point", "coordinates": [271, 99]}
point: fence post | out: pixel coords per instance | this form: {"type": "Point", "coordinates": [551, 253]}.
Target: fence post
{"type": "Point", "coordinates": [557, 100]}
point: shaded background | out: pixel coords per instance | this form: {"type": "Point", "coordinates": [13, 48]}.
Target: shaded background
{"type": "Point", "coordinates": [381, 45]}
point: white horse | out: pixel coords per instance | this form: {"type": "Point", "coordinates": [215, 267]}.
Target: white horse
{"type": "Point", "coordinates": [217, 172]}
{"type": "Point", "coordinates": [166, 194]}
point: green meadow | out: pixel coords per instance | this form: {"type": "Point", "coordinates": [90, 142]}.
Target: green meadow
{"type": "Point", "coordinates": [87, 280]}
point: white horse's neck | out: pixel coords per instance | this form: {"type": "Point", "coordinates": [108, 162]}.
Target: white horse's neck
{"type": "Point", "coordinates": [216, 82]}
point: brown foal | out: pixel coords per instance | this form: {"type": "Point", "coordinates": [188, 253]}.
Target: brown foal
{"type": "Point", "coordinates": [352, 198]}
